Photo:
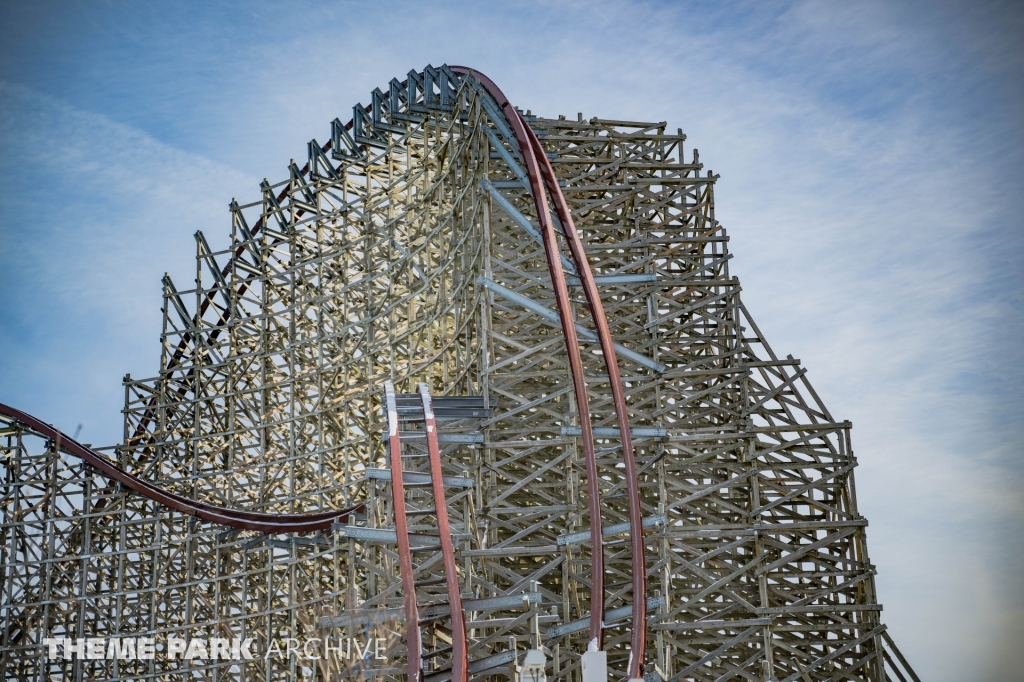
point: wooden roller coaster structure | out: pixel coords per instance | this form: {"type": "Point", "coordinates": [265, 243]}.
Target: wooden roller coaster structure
{"type": "Point", "coordinates": [597, 450]}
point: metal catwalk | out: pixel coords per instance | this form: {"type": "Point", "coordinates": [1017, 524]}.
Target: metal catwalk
{"type": "Point", "coordinates": [470, 382]}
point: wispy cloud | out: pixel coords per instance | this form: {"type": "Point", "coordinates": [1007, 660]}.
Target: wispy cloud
{"type": "Point", "coordinates": [95, 212]}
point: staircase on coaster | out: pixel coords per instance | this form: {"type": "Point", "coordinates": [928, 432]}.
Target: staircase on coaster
{"type": "Point", "coordinates": [613, 456]}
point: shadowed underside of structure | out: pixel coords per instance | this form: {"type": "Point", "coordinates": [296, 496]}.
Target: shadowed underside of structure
{"type": "Point", "coordinates": [470, 382]}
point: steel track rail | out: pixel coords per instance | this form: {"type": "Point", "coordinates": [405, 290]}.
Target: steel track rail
{"type": "Point", "coordinates": [533, 170]}
{"type": "Point", "coordinates": [412, 616]}
{"type": "Point", "coordinates": [638, 638]}
{"type": "Point", "coordinates": [235, 518]}
{"type": "Point", "coordinates": [638, 642]}
{"type": "Point", "coordinates": [460, 647]}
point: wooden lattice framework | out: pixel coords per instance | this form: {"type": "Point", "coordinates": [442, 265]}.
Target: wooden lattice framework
{"type": "Point", "coordinates": [409, 250]}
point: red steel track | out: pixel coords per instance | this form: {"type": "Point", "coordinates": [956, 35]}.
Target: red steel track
{"type": "Point", "coordinates": [638, 642]}
{"type": "Point", "coordinates": [412, 616]}
{"type": "Point", "coordinates": [540, 171]}
{"type": "Point", "coordinates": [523, 134]}
{"type": "Point", "coordinates": [460, 647]}
{"type": "Point", "coordinates": [460, 643]}
{"type": "Point", "coordinates": [236, 518]}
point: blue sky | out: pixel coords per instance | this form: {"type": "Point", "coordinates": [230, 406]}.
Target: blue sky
{"type": "Point", "coordinates": [871, 156]}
